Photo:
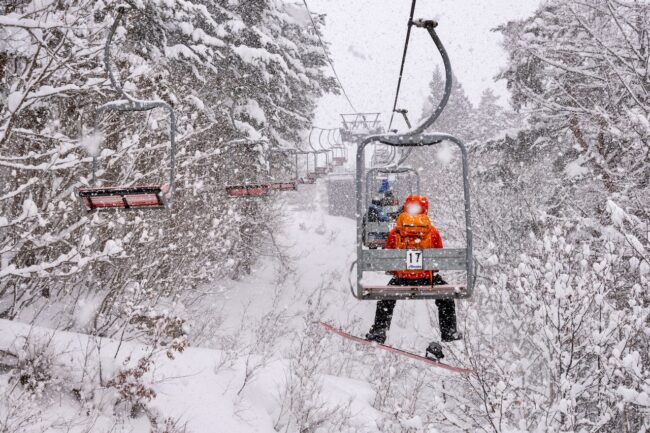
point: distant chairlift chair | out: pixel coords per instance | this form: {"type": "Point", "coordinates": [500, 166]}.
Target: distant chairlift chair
{"type": "Point", "coordinates": [249, 188]}
{"type": "Point", "coordinates": [129, 197]}
{"type": "Point", "coordinates": [322, 170]}
{"type": "Point", "coordinates": [286, 184]}
{"type": "Point", "coordinates": [263, 187]}
{"type": "Point", "coordinates": [356, 126]}
{"type": "Point", "coordinates": [310, 176]}
{"type": "Point", "coordinates": [375, 233]}
{"type": "Point", "coordinates": [339, 151]}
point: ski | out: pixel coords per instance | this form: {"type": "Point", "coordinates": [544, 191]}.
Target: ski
{"type": "Point", "coordinates": [424, 359]}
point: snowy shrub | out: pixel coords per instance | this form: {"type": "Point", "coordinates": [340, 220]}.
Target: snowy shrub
{"type": "Point", "coordinates": [36, 368]}
{"type": "Point", "coordinates": [167, 425]}
{"type": "Point", "coordinates": [128, 382]}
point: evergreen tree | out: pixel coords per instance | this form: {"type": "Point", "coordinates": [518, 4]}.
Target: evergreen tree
{"type": "Point", "coordinates": [456, 117]}
{"type": "Point", "coordinates": [491, 119]}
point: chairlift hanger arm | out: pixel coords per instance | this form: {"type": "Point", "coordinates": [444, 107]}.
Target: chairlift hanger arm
{"type": "Point", "coordinates": [403, 112]}
{"type": "Point", "coordinates": [430, 26]}
{"type": "Point", "coordinates": [401, 69]}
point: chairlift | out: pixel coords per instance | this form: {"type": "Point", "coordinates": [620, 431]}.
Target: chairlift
{"type": "Point", "coordinates": [355, 126]}
{"type": "Point", "coordinates": [286, 184]}
{"type": "Point", "coordinates": [340, 155]}
{"type": "Point", "coordinates": [322, 170]}
{"type": "Point", "coordinates": [156, 196]}
{"type": "Point", "coordinates": [339, 151]}
{"type": "Point", "coordinates": [247, 187]}
{"type": "Point", "coordinates": [309, 176]}
{"type": "Point", "coordinates": [443, 259]}
{"type": "Point", "coordinates": [248, 190]}
{"type": "Point", "coordinates": [375, 233]}
{"type": "Point", "coordinates": [263, 187]}
{"type": "Point", "coordinates": [329, 153]}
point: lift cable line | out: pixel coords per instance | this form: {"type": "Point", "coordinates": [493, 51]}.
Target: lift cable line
{"type": "Point", "coordinates": [328, 57]}
{"type": "Point", "coordinates": [401, 69]}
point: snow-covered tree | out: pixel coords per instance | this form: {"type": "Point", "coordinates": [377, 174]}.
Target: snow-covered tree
{"type": "Point", "coordinates": [232, 72]}
{"type": "Point", "coordinates": [457, 116]}
{"type": "Point", "coordinates": [490, 119]}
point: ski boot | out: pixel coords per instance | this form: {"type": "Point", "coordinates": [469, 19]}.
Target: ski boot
{"type": "Point", "coordinates": [434, 351]}
{"type": "Point", "coordinates": [378, 335]}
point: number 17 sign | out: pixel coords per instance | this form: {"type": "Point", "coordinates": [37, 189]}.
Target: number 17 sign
{"type": "Point", "coordinates": [413, 259]}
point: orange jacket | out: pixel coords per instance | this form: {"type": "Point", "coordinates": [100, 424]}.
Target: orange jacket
{"type": "Point", "coordinates": [436, 239]}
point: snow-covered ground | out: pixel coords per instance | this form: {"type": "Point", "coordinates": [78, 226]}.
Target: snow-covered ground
{"type": "Point", "coordinates": [267, 365]}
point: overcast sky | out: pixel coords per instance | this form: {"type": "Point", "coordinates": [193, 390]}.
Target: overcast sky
{"type": "Point", "coordinates": [366, 41]}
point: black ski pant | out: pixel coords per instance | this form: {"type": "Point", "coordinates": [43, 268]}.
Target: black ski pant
{"type": "Point", "coordinates": [446, 308]}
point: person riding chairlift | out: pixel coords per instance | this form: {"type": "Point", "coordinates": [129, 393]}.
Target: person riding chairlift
{"type": "Point", "coordinates": [383, 208]}
{"type": "Point", "coordinates": [414, 230]}
{"type": "Point", "coordinates": [388, 202]}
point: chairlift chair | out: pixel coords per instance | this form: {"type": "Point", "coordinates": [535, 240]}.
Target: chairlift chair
{"type": "Point", "coordinates": [375, 233]}
{"type": "Point", "coordinates": [249, 188]}
{"type": "Point", "coordinates": [339, 155]}
{"type": "Point", "coordinates": [339, 152]}
{"type": "Point", "coordinates": [309, 177]}
{"type": "Point", "coordinates": [286, 184]}
{"type": "Point", "coordinates": [442, 259]}
{"type": "Point", "coordinates": [329, 162]}
{"type": "Point", "coordinates": [156, 196]}
{"type": "Point", "coordinates": [322, 170]}
{"type": "Point", "coordinates": [312, 175]}
{"type": "Point", "coordinates": [355, 126]}
{"type": "Point", "coordinates": [264, 187]}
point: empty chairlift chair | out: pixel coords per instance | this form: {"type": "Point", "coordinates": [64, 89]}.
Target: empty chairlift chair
{"type": "Point", "coordinates": [255, 182]}
{"type": "Point", "coordinates": [155, 196]}
{"type": "Point", "coordinates": [309, 177]}
{"type": "Point", "coordinates": [356, 126]}
{"type": "Point", "coordinates": [339, 157]}
{"type": "Point", "coordinates": [280, 181]}
{"type": "Point", "coordinates": [278, 177]}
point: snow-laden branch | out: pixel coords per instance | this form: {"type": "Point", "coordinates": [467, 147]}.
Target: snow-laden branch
{"type": "Point", "coordinates": [20, 189]}
{"type": "Point", "coordinates": [111, 248]}
{"type": "Point", "coordinates": [14, 20]}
